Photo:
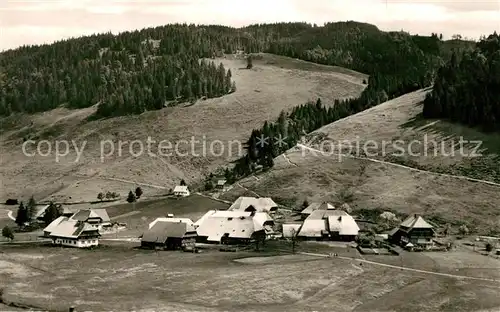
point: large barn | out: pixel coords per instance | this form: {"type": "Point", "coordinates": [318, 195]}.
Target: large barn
{"type": "Point", "coordinates": [329, 224]}
{"type": "Point", "coordinates": [313, 207]}
{"type": "Point", "coordinates": [233, 227]}
{"type": "Point", "coordinates": [263, 204]}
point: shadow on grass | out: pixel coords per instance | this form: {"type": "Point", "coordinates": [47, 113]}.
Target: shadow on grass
{"type": "Point", "coordinates": [416, 122]}
{"type": "Point", "coordinates": [485, 164]}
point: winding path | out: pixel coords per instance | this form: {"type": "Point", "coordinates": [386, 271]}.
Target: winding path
{"type": "Point", "coordinates": [288, 160]}
{"type": "Point", "coordinates": [10, 214]}
{"type": "Point", "coordinates": [404, 167]}
{"type": "Point", "coordinates": [404, 268]}
{"type": "Point", "coordinates": [238, 183]}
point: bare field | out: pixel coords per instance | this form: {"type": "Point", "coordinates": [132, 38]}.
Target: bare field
{"type": "Point", "coordinates": [275, 84]}
{"type": "Point", "coordinates": [110, 277]}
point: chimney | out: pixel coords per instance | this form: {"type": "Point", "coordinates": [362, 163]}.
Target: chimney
{"type": "Point", "coordinates": [415, 216]}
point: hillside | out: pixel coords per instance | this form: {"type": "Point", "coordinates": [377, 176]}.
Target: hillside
{"type": "Point", "coordinates": [151, 83]}
{"type": "Point", "coordinates": [274, 84]}
{"type": "Point", "coordinates": [303, 174]}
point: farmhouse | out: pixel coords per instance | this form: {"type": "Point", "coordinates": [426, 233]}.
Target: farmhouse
{"type": "Point", "coordinates": [233, 227]}
{"type": "Point", "coordinates": [414, 231]}
{"type": "Point", "coordinates": [329, 224]}
{"type": "Point", "coordinates": [169, 234]}
{"type": "Point", "coordinates": [181, 191]}
{"type": "Point", "coordinates": [254, 204]}
{"type": "Point", "coordinates": [75, 233]}
{"type": "Point", "coordinates": [222, 185]}
{"type": "Point", "coordinates": [313, 207]}
{"type": "Point", "coordinates": [98, 218]}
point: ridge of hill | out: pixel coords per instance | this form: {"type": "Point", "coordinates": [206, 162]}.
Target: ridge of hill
{"type": "Point", "coordinates": [143, 70]}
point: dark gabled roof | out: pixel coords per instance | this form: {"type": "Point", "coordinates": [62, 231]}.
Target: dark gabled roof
{"type": "Point", "coordinates": [161, 230]}
{"type": "Point", "coordinates": [415, 222]}
{"type": "Point", "coordinates": [85, 214]}
{"type": "Point", "coordinates": [393, 232]}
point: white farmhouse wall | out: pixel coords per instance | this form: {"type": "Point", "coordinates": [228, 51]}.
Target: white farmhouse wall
{"type": "Point", "coordinates": [80, 243]}
{"type": "Point", "coordinates": [184, 194]}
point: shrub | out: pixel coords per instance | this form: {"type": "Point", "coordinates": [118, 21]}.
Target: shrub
{"type": "Point", "coordinates": [8, 233]}
{"type": "Point", "coordinates": [131, 197]}
{"type": "Point", "coordinates": [138, 192]}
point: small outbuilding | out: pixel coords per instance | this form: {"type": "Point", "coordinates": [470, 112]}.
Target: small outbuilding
{"type": "Point", "coordinates": [222, 185]}
{"type": "Point", "coordinates": [181, 191]}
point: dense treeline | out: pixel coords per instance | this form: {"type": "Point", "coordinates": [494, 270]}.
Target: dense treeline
{"type": "Point", "coordinates": [128, 73]}
{"type": "Point", "coordinates": [276, 137]}
{"type": "Point", "coordinates": [142, 70]}
{"type": "Point", "coordinates": [168, 80]}
{"type": "Point", "coordinates": [468, 91]}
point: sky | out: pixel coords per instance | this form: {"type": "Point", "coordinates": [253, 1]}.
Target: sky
{"type": "Point", "coordinates": [44, 21]}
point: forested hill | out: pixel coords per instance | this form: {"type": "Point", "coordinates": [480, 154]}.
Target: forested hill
{"type": "Point", "coordinates": [468, 90]}
{"type": "Point", "coordinates": [144, 70]}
